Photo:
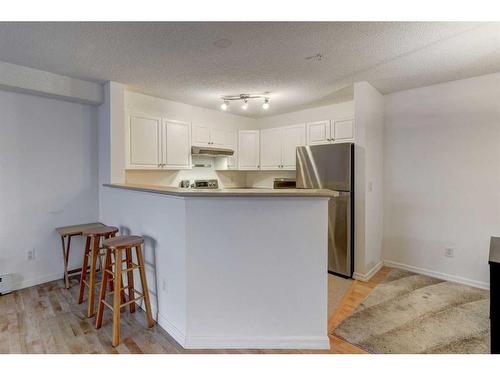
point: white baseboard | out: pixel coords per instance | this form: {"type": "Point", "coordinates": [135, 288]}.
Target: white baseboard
{"type": "Point", "coordinates": [367, 276]}
{"type": "Point", "coordinates": [36, 281]}
{"type": "Point", "coordinates": [438, 275]}
{"type": "Point", "coordinates": [172, 330]}
{"type": "Point", "coordinates": [239, 342]}
{"type": "Point", "coordinates": [259, 342]}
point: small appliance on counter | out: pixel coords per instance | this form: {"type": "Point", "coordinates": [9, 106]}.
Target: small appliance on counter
{"type": "Point", "coordinates": [205, 184]}
{"type": "Point", "coordinates": [284, 183]}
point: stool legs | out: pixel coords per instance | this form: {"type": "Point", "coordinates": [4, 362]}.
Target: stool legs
{"type": "Point", "coordinates": [102, 294]}
{"type": "Point", "coordinates": [144, 283]}
{"type": "Point", "coordinates": [117, 297]}
{"type": "Point", "coordinates": [130, 279]}
{"type": "Point", "coordinates": [83, 275]}
{"type": "Point", "coordinates": [94, 253]}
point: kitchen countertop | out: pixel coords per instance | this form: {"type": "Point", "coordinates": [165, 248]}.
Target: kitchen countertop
{"type": "Point", "coordinates": [236, 192]}
{"type": "Point", "coordinates": [494, 250]}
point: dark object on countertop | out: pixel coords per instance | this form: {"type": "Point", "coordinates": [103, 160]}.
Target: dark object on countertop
{"type": "Point", "coordinates": [284, 183]}
{"type": "Point", "coordinates": [494, 262]}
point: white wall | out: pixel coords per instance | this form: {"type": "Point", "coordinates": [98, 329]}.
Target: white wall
{"type": "Point", "coordinates": [369, 108]}
{"type": "Point", "coordinates": [328, 112]}
{"type": "Point", "coordinates": [442, 176]}
{"type": "Point", "coordinates": [135, 102]}
{"type": "Point", "coordinates": [48, 178]}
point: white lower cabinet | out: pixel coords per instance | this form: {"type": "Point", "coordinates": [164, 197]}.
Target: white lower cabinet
{"type": "Point", "coordinates": [278, 146]}
{"type": "Point", "coordinates": [176, 137]}
{"type": "Point", "coordinates": [248, 150]}
{"type": "Point", "coordinates": [153, 143]}
{"type": "Point", "coordinates": [143, 142]}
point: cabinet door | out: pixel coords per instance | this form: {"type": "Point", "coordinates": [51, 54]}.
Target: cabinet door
{"type": "Point", "coordinates": [143, 142]}
{"type": "Point", "coordinates": [318, 132]}
{"type": "Point", "coordinates": [177, 144]}
{"type": "Point", "coordinates": [219, 138]}
{"type": "Point", "coordinates": [201, 135]}
{"type": "Point", "coordinates": [248, 149]}
{"type": "Point", "coordinates": [232, 161]}
{"type": "Point", "coordinates": [343, 130]}
{"type": "Point", "coordinates": [292, 136]}
{"type": "Point", "coordinates": [270, 149]}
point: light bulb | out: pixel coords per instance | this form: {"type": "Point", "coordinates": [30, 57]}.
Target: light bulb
{"type": "Point", "coordinates": [266, 104]}
{"type": "Point", "coordinates": [245, 105]}
{"type": "Point", "coordinates": [224, 106]}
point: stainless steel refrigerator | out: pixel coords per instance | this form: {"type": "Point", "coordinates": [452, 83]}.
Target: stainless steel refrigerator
{"type": "Point", "coordinates": [332, 167]}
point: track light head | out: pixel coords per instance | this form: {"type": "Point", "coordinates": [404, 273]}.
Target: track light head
{"type": "Point", "coordinates": [266, 103]}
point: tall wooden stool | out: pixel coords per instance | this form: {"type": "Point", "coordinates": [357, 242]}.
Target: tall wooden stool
{"type": "Point", "coordinates": [66, 234]}
{"type": "Point", "coordinates": [116, 246]}
{"type": "Point", "coordinates": [93, 248]}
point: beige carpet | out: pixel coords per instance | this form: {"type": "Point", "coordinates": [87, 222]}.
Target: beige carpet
{"type": "Point", "coordinates": [337, 288]}
{"type": "Point", "coordinates": [410, 313]}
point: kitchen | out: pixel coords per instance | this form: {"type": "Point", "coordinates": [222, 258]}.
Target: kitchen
{"type": "Point", "coordinates": [312, 192]}
{"type": "Point", "coordinates": [223, 198]}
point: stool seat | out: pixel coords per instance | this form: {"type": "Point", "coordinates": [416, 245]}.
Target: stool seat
{"type": "Point", "coordinates": [122, 242]}
{"type": "Point", "coordinates": [100, 231]}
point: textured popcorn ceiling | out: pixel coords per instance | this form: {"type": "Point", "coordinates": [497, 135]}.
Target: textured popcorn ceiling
{"type": "Point", "coordinates": [180, 61]}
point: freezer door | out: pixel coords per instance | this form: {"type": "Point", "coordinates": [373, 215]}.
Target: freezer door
{"type": "Point", "coordinates": [325, 166]}
{"type": "Point", "coordinates": [339, 234]}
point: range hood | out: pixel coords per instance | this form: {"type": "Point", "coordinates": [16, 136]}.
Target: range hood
{"type": "Point", "coordinates": [211, 151]}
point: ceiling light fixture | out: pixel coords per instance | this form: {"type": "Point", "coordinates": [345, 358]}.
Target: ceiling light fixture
{"type": "Point", "coordinates": [266, 103]}
{"type": "Point", "coordinates": [244, 97]}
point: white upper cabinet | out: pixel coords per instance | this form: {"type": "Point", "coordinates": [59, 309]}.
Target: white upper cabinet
{"type": "Point", "coordinates": [143, 142]}
{"type": "Point", "coordinates": [343, 130]}
{"type": "Point", "coordinates": [205, 136]}
{"type": "Point", "coordinates": [219, 138]}
{"type": "Point", "coordinates": [176, 145]}
{"type": "Point", "coordinates": [335, 131]}
{"type": "Point", "coordinates": [155, 144]}
{"type": "Point", "coordinates": [201, 136]}
{"type": "Point", "coordinates": [270, 149]}
{"type": "Point", "coordinates": [292, 137]}
{"type": "Point", "coordinates": [318, 132]}
{"type": "Point", "coordinates": [278, 146]}
{"type": "Point", "coordinates": [248, 149]}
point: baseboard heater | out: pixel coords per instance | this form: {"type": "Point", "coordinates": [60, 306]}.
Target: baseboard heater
{"type": "Point", "coordinates": [5, 284]}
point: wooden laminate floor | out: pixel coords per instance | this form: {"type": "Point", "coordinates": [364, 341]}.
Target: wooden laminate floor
{"type": "Point", "coordinates": [47, 319]}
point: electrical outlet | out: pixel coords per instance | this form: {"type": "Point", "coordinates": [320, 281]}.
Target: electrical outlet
{"type": "Point", "coordinates": [449, 252]}
{"type": "Point", "coordinates": [164, 285]}
{"type": "Point", "coordinates": [31, 254]}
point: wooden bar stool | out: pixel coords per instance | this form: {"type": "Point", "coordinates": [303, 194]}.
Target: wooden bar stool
{"type": "Point", "coordinates": [66, 234]}
{"type": "Point", "coordinates": [116, 246]}
{"type": "Point", "coordinates": [94, 236]}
